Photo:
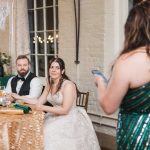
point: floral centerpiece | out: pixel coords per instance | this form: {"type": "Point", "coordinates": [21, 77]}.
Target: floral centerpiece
{"type": "Point", "coordinates": [4, 60]}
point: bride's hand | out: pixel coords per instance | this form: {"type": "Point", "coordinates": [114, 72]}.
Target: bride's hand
{"type": "Point", "coordinates": [38, 106]}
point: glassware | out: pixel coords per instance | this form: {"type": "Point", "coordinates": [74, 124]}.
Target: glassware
{"type": "Point", "coordinates": [2, 90]}
{"type": "Point", "coordinates": [2, 87]}
{"type": "Point", "coordinates": [3, 98]}
{"type": "Point", "coordinates": [4, 101]}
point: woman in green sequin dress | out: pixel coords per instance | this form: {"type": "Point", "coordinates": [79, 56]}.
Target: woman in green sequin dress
{"type": "Point", "coordinates": [129, 84]}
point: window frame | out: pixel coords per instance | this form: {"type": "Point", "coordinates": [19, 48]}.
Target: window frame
{"type": "Point", "coordinates": [35, 32]}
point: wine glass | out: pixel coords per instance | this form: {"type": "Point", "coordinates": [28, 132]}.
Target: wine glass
{"type": "Point", "coordinates": [2, 87]}
{"type": "Point", "coordinates": [2, 90]}
{"type": "Point", "coordinates": [3, 98]}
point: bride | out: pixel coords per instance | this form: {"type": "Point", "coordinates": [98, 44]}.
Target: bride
{"type": "Point", "coordinates": [66, 126]}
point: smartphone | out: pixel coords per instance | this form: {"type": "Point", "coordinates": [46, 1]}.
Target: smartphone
{"type": "Point", "coordinates": [99, 73]}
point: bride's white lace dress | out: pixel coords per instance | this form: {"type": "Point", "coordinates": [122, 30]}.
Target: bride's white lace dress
{"type": "Point", "coordinates": [73, 131]}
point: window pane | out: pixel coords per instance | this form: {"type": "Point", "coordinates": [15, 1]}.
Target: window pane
{"type": "Point", "coordinates": [40, 43]}
{"type": "Point", "coordinates": [50, 42]}
{"type": "Point", "coordinates": [39, 3]}
{"type": "Point", "coordinates": [42, 31]}
{"type": "Point", "coordinates": [30, 4]}
{"type": "Point", "coordinates": [33, 64]}
{"type": "Point", "coordinates": [31, 20]}
{"type": "Point", "coordinates": [49, 2]}
{"type": "Point", "coordinates": [49, 19]}
{"type": "Point", "coordinates": [57, 42]}
{"type": "Point", "coordinates": [57, 17]}
{"type": "Point", "coordinates": [56, 2]}
{"type": "Point", "coordinates": [133, 3]}
{"type": "Point", "coordinates": [41, 67]}
{"type": "Point", "coordinates": [32, 43]}
{"type": "Point", "coordinates": [130, 4]}
{"type": "Point", "coordinates": [40, 22]}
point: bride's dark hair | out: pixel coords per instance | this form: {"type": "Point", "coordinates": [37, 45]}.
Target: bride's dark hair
{"type": "Point", "coordinates": [63, 77]}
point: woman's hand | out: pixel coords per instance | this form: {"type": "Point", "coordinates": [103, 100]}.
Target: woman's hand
{"type": "Point", "coordinates": [39, 106]}
{"type": "Point", "coordinates": [98, 80]}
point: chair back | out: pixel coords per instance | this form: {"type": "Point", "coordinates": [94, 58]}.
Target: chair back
{"type": "Point", "coordinates": [82, 99]}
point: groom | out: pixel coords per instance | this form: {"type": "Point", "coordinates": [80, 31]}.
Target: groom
{"type": "Point", "coordinates": [24, 83]}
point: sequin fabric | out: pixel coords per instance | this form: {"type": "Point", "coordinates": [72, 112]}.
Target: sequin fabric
{"type": "Point", "coordinates": [133, 131]}
{"type": "Point", "coordinates": [73, 131]}
{"type": "Point", "coordinates": [21, 132]}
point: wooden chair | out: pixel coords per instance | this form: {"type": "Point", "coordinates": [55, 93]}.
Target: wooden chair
{"type": "Point", "coordinates": [82, 99]}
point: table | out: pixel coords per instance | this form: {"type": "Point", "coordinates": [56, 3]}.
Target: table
{"type": "Point", "coordinates": [22, 132]}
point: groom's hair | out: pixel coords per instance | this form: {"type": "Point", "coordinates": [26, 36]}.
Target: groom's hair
{"type": "Point", "coordinates": [23, 57]}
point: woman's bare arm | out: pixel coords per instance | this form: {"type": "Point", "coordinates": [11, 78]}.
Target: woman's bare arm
{"type": "Point", "coordinates": [69, 95]}
{"type": "Point", "coordinates": [110, 96]}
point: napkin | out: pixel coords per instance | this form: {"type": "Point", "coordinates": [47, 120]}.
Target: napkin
{"type": "Point", "coordinates": [25, 109]}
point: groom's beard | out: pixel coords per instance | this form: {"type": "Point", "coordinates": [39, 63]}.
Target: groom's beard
{"type": "Point", "coordinates": [23, 72]}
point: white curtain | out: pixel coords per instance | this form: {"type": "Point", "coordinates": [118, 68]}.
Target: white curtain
{"type": "Point", "coordinates": [22, 27]}
{"type": "Point", "coordinates": [4, 12]}
{"type": "Point", "coordinates": [15, 11]}
{"type": "Point", "coordinates": [20, 30]}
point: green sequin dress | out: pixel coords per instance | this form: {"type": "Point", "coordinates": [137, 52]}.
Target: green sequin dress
{"type": "Point", "coordinates": [133, 131]}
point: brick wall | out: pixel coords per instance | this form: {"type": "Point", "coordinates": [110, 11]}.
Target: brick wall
{"type": "Point", "coordinates": [101, 30]}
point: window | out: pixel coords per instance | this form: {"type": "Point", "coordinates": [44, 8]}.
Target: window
{"type": "Point", "coordinates": [130, 4]}
{"type": "Point", "coordinates": [43, 28]}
